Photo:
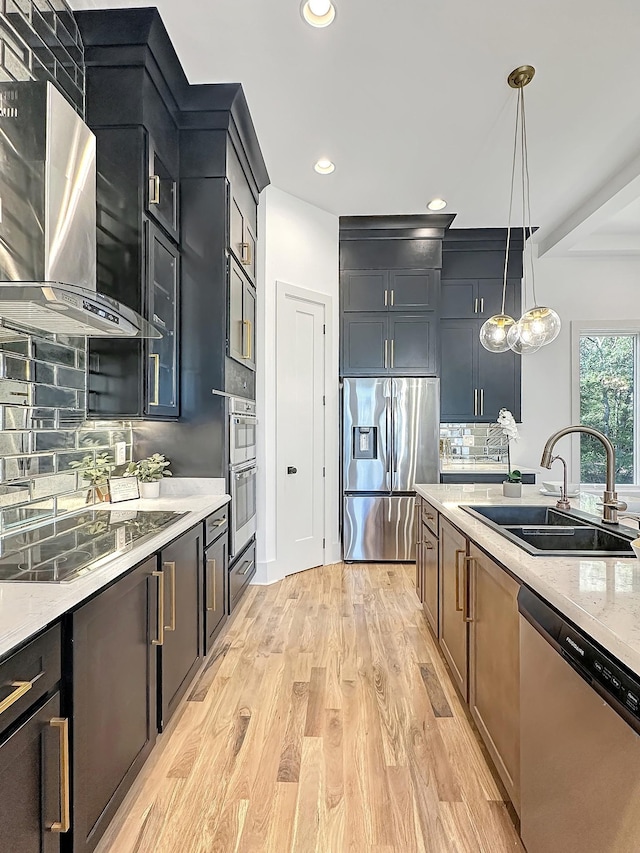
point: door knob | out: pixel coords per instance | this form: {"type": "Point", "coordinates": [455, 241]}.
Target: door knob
{"type": "Point", "coordinates": [292, 470]}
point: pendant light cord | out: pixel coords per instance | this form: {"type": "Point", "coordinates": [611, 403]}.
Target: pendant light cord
{"type": "Point", "coordinates": [526, 198]}
{"type": "Point", "coordinates": [513, 175]}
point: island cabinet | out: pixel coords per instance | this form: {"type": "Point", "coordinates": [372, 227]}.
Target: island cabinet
{"type": "Point", "coordinates": [454, 604]}
{"type": "Point", "coordinates": [494, 665]}
{"type": "Point", "coordinates": [417, 524]}
{"type": "Point", "coordinates": [114, 691]}
{"type": "Point", "coordinates": [427, 561]}
{"type": "Point", "coordinates": [179, 654]}
{"type": "Point", "coordinates": [34, 749]}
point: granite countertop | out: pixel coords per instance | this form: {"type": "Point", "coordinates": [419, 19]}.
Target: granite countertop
{"type": "Point", "coordinates": [27, 608]}
{"type": "Point", "coordinates": [601, 596]}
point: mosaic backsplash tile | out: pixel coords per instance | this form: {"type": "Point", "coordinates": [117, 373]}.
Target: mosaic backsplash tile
{"type": "Point", "coordinates": [473, 442]}
{"type": "Point", "coordinates": [43, 430]}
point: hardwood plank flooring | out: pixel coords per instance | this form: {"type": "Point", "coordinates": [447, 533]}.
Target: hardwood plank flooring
{"type": "Point", "coordinates": [324, 722]}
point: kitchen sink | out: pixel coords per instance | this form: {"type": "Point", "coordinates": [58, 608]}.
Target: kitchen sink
{"type": "Point", "coordinates": [542, 530]}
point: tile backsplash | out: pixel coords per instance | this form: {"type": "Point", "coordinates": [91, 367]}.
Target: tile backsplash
{"type": "Point", "coordinates": [473, 442]}
{"type": "Point", "coordinates": [43, 429]}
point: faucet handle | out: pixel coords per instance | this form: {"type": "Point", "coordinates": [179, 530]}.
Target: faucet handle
{"type": "Point", "coordinates": [615, 504]}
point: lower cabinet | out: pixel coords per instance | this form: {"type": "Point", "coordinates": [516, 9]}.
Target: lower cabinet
{"type": "Point", "coordinates": [179, 652]}
{"type": "Point", "coordinates": [430, 581]}
{"type": "Point", "coordinates": [33, 790]}
{"type": "Point", "coordinates": [240, 573]}
{"type": "Point", "coordinates": [417, 521]}
{"type": "Point", "coordinates": [454, 604]}
{"type": "Point", "coordinates": [494, 666]}
{"type": "Point", "coordinates": [215, 587]}
{"type": "Point", "coordinates": [115, 639]}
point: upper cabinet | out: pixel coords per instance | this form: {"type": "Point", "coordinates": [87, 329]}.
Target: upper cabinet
{"type": "Point", "coordinates": [474, 299]}
{"type": "Point", "coordinates": [389, 290]}
{"type": "Point", "coordinates": [162, 196]}
{"type": "Point", "coordinates": [163, 293]}
{"type": "Point", "coordinates": [243, 215]}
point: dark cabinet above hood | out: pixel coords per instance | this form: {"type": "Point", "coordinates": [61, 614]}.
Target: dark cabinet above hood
{"type": "Point", "coordinates": [48, 220]}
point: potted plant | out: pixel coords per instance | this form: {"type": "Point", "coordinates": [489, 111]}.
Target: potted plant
{"type": "Point", "coordinates": [96, 470]}
{"type": "Point", "coordinates": [149, 472]}
{"type": "Point", "coordinates": [512, 486]}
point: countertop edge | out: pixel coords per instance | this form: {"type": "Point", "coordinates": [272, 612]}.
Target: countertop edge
{"type": "Point", "coordinates": [45, 603]}
{"type": "Point", "coordinates": [523, 567]}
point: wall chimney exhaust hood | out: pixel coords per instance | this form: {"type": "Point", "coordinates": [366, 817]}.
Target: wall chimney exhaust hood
{"type": "Point", "coordinates": [48, 220]}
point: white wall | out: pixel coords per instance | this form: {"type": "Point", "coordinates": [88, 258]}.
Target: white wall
{"type": "Point", "coordinates": [579, 289]}
{"type": "Point", "coordinates": [299, 246]}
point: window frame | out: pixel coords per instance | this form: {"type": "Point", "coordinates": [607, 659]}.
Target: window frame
{"type": "Point", "coordinates": [580, 328]}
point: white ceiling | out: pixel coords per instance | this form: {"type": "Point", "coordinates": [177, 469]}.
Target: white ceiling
{"type": "Point", "coordinates": [410, 100]}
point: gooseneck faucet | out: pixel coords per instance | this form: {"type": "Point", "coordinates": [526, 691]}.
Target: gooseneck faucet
{"type": "Point", "coordinates": [610, 503]}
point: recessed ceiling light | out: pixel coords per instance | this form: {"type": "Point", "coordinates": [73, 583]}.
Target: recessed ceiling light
{"type": "Point", "coordinates": [437, 204]}
{"type": "Point", "coordinates": [324, 166]}
{"type": "Point", "coordinates": [318, 13]}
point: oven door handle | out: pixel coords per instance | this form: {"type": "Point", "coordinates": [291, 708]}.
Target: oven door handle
{"type": "Point", "coordinates": [243, 475]}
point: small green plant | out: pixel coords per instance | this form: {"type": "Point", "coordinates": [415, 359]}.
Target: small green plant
{"type": "Point", "coordinates": [514, 476]}
{"type": "Point", "coordinates": [510, 431]}
{"type": "Point", "coordinates": [149, 470]}
{"type": "Point", "coordinates": [95, 470]}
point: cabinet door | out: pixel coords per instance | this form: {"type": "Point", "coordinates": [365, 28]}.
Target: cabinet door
{"type": "Point", "coordinates": [430, 552]}
{"type": "Point", "coordinates": [249, 325]}
{"type": "Point", "coordinates": [240, 573]}
{"type": "Point", "coordinates": [31, 798]}
{"type": "Point", "coordinates": [453, 604]}
{"type": "Point", "coordinates": [458, 368]}
{"type": "Point", "coordinates": [412, 289]}
{"type": "Point", "coordinates": [490, 298]}
{"type": "Point", "coordinates": [498, 383]}
{"type": "Point", "coordinates": [417, 523]}
{"type": "Point", "coordinates": [365, 290]}
{"type": "Point", "coordinates": [236, 227]}
{"type": "Point", "coordinates": [494, 666]}
{"type": "Point", "coordinates": [162, 197]}
{"type": "Point", "coordinates": [365, 344]}
{"type": "Point", "coordinates": [215, 574]}
{"type": "Point", "coordinates": [163, 299]}
{"type": "Point", "coordinates": [114, 698]}
{"type": "Point", "coordinates": [242, 317]}
{"type": "Point", "coordinates": [413, 350]}
{"type": "Point", "coordinates": [180, 654]}
{"type": "Point", "coordinates": [458, 299]}
{"type": "Point", "coordinates": [248, 256]}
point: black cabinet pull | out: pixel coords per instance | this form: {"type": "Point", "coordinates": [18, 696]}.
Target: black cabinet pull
{"type": "Point", "coordinates": [292, 470]}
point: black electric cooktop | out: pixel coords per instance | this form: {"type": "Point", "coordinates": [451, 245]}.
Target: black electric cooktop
{"type": "Point", "coordinates": [74, 545]}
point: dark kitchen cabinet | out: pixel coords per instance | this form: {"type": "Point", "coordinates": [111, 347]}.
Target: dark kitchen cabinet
{"type": "Point", "coordinates": [179, 655]}
{"type": "Point", "coordinates": [163, 354]}
{"type": "Point", "coordinates": [475, 383]}
{"type": "Point", "coordinates": [389, 290]}
{"type": "Point", "coordinates": [376, 344]}
{"type": "Point", "coordinates": [114, 696]}
{"type": "Point", "coordinates": [474, 299]}
{"type": "Point", "coordinates": [242, 317]}
{"type": "Point", "coordinates": [243, 214]}
{"type": "Point", "coordinates": [240, 573]}
{"type": "Point", "coordinates": [162, 196]}
{"type": "Point", "coordinates": [216, 560]}
{"type": "Point", "coordinates": [32, 799]}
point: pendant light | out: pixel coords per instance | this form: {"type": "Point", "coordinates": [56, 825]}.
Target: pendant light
{"type": "Point", "coordinates": [539, 325]}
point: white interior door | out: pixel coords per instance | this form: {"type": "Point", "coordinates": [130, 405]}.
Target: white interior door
{"type": "Point", "coordinates": [300, 431]}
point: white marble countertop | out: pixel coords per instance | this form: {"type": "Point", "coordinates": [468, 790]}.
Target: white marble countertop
{"type": "Point", "coordinates": [27, 608]}
{"type": "Point", "coordinates": [448, 466]}
{"type": "Point", "coordinates": [601, 596]}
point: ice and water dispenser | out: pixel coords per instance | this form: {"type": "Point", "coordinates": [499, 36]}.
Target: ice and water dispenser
{"type": "Point", "coordinates": [365, 442]}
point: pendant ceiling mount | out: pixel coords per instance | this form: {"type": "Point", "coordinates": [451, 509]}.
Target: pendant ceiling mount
{"type": "Point", "coordinates": [521, 76]}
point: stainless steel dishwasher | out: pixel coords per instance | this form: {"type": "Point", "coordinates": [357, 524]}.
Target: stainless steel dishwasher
{"type": "Point", "coordinates": [580, 743]}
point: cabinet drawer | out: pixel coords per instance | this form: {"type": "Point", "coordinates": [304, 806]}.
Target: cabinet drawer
{"type": "Point", "coordinates": [430, 517]}
{"type": "Point", "coordinates": [28, 674]}
{"type": "Point", "coordinates": [215, 525]}
{"type": "Point", "coordinates": [240, 574]}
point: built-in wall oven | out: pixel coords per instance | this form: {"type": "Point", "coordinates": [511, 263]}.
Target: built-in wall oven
{"type": "Point", "coordinates": [242, 471]}
{"type": "Point", "coordinates": [242, 431]}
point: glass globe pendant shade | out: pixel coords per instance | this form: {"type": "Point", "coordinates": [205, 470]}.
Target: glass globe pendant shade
{"type": "Point", "coordinates": [521, 340]}
{"type": "Point", "coordinates": [543, 324]}
{"type": "Point", "coordinates": [494, 332]}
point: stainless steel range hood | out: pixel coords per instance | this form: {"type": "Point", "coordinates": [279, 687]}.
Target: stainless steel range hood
{"type": "Point", "coordinates": [48, 220]}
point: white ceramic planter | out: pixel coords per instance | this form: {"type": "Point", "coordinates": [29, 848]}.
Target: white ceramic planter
{"type": "Point", "coordinates": [150, 490]}
{"type": "Point", "coordinates": [511, 490]}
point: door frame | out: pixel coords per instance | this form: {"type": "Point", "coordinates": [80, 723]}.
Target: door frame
{"type": "Point", "coordinates": [286, 291]}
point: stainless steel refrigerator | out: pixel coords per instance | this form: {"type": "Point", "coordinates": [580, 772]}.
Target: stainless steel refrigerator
{"type": "Point", "coordinates": [390, 442]}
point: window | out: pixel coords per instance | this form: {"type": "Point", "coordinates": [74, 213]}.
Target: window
{"type": "Point", "coordinates": [608, 402]}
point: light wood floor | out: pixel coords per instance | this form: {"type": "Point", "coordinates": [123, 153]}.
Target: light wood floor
{"type": "Point", "coordinates": [325, 722]}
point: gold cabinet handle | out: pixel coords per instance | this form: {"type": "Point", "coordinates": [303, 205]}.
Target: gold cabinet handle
{"type": "Point", "coordinates": [245, 254]}
{"type": "Point", "coordinates": [386, 353]}
{"type": "Point", "coordinates": [392, 297]}
{"type": "Point", "coordinates": [154, 189]}
{"type": "Point", "coordinates": [393, 358]}
{"type": "Point", "coordinates": [21, 687]}
{"type": "Point", "coordinates": [475, 305]}
{"type": "Point", "coordinates": [466, 612]}
{"type": "Point", "coordinates": [386, 297]}
{"type": "Point", "coordinates": [172, 574]}
{"type": "Point", "coordinates": [64, 824]}
{"type": "Point", "coordinates": [249, 565]}
{"type": "Point", "coordinates": [475, 401]}
{"type": "Point", "coordinates": [247, 354]}
{"type": "Point", "coordinates": [159, 641]}
{"type": "Point", "coordinates": [482, 402]}
{"type": "Point", "coordinates": [155, 358]}
{"type": "Point", "coordinates": [459, 553]}
{"type": "Point", "coordinates": [211, 564]}
{"type": "Point", "coordinates": [428, 545]}
{"type": "Point", "coordinates": [482, 305]}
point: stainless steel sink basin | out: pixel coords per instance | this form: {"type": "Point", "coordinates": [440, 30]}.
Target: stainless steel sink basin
{"type": "Point", "coordinates": [556, 533]}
